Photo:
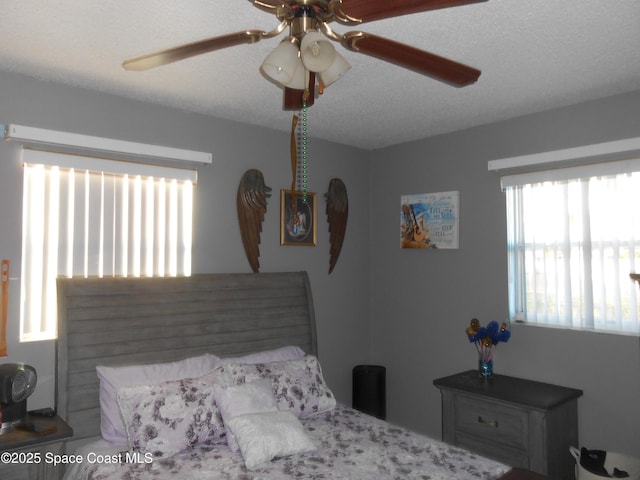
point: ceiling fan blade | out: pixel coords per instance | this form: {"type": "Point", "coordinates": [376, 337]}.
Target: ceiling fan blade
{"type": "Point", "coordinates": [412, 58]}
{"type": "Point", "coordinates": [182, 52]}
{"type": "Point", "coordinates": [357, 11]}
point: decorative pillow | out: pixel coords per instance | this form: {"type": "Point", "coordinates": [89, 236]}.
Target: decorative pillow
{"type": "Point", "coordinates": [265, 436]}
{"type": "Point", "coordinates": [267, 356]}
{"type": "Point", "coordinates": [166, 418]}
{"type": "Point", "coordinates": [112, 378]}
{"type": "Point", "coordinates": [234, 400]}
{"type": "Point", "coordinates": [298, 385]}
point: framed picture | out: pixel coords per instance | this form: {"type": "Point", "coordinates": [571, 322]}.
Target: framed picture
{"type": "Point", "coordinates": [297, 218]}
{"type": "Point", "coordinates": [429, 220]}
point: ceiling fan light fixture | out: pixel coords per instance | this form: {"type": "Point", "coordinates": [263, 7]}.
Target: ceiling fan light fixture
{"type": "Point", "coordinates": [300, 78]}
{"type": "Point", "coordinates": [316, 51]}
{"type": "Point", "coordinates": [280, 65]}
{"type": "Point", "coordinates": [308, 51]}
{"type": "Point", "coordinates": [338, 68]}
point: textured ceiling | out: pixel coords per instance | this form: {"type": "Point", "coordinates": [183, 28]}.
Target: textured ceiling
{"type": "Point", "coordinates": [533, 56]}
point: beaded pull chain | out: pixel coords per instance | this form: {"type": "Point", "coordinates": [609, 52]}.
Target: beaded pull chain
{"type": "Point", "coordinates": [299, 152]}
{"type": "Point", "coordinates": [303, 146]}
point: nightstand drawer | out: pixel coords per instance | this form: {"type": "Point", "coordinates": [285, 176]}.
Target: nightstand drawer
{"type": "Point", "coordinates": [495, 422]}
{"type": "Point", "coordinates": [498, 451]}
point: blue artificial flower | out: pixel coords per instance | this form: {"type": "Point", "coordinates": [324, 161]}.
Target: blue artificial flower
{"type": "Point", "coordinates": [493, 333]}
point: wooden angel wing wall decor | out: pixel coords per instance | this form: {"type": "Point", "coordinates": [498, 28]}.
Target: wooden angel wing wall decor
{"type": "Point", "coordinates": [337, 213]}
{"type": "Point", "coordinates": [252, 205]}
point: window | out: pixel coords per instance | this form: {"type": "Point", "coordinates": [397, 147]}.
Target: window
{"type": "Point", "coordinates": [573, 240]}
{"type": "Point", "coordinates": [84, 216]}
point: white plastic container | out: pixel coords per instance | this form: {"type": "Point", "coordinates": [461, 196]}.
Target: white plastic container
{"type": "Point", "coordinates": [627, 463]}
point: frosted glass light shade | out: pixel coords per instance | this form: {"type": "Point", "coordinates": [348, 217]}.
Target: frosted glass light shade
{"type": "Point", "coordinates": [300, 78]}
{"type": "Point", "coordinates": [316, 51]}
{"type": "Point", "coordinates": [338, 68]}
{"type": "Point", "coordinates": [281, 64]}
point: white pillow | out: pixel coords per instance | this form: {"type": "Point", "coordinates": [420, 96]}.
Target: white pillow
{"type": "Point", "coordinates": [112, 378]}
{"type": "Point", "coordinates": [252, 397]}
{"type": "Point", "coordinates": [265, 436]}
{"type": "Point", "coordinates": [267, 356]}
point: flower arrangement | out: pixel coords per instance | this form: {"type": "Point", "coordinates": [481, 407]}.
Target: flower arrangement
{"type": "Point", "coordinates": [486, 339]}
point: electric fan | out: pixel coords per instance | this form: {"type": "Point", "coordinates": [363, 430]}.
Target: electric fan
{"type": "Point", "coordinates": [17, 382]}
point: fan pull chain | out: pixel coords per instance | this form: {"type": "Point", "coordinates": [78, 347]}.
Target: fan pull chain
{"type": "Point", "coordinates": [295, 153]}
{"type": "Point", "coordinates": [298, 173]}
{"type": "Point", "coordinates": [304, 148]}
{"type": "Point", "coordinates": [301, 149]}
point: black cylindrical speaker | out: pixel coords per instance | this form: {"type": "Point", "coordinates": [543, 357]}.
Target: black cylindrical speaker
{"type": "Point", "coordinates": [370, 390]}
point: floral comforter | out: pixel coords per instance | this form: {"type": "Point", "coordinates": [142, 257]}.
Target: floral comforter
{"type": "Point", "coordinates": [350, 445]}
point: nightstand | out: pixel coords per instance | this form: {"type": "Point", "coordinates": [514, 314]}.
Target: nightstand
{"type": "Point", "coordinates": [30, 455]}
{"type": "Point", "coordinates": [519, 422]}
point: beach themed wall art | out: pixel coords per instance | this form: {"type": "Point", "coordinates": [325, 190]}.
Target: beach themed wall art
{"type": "Point", "coordinates": [429, 220]}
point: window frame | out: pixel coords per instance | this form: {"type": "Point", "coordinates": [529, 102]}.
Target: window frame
{"type": "Point", "coordinates": [515, 235]}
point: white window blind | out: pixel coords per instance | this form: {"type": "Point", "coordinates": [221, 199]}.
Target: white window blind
{"type": "Point", "coordinates": [573, 239]}
{"type": "Point", "coordinates": [84, 216]}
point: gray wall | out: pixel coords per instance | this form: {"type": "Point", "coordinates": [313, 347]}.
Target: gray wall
{"type": "Point", "coordinates": [341, 299]}
{"type": "Point", "coordinates": [422, 301]}
{"type": "Point", "coordinates": [404, 309]}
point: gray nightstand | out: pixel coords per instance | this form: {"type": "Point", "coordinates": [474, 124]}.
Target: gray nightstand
{"type": "Point", "coordinates": [27, 455]}
{"type": "Point", "coordinates": [519, 422]}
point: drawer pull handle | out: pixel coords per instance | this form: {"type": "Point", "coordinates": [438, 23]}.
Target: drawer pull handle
{"type": "Point", "coordinates": [492, 423]}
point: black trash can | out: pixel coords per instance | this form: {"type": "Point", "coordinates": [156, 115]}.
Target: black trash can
{"type": "Point", "coordinates": [370, 390]}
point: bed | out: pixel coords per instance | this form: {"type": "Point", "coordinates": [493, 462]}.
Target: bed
{"type": "Point", "coordinates": [217, 376]}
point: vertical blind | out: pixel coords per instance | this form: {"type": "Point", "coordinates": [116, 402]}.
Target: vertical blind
{"type": "Point", "coordinates": [98, 221]}
{"type": "Point", "coordinates": [573, 239]}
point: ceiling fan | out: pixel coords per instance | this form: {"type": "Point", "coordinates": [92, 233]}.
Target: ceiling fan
{"type": "Point", "coordinates": [308, 22]}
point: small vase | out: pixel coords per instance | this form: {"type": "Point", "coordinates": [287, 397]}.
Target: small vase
{"type": "Point", "coordinates": [485, 367]}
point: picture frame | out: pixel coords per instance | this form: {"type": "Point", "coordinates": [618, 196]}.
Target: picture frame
{"type": "Point", "coordinates": [298, 214]}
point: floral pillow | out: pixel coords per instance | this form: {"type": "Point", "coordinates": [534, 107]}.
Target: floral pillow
{"type": "Point", "coordinates": [112, 378]}
{"type": "Point", "coordinates": [280, 354]}
{"type": "Point", "coordinates": [298, 385]}
{"type": "Point", "coordinates": [169, 417]}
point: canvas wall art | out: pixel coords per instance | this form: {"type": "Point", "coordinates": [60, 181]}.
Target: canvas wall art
{"type": "Point", "coordinates": [429, 220]}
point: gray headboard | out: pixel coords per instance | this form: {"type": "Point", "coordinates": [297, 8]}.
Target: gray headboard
{"type": "Point", "coordinates": [124, 321]}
